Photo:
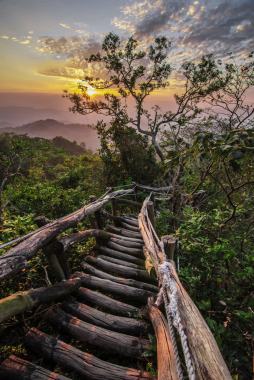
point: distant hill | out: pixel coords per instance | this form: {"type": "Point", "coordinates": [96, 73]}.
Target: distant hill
{"type": "Point", "coordinates": [51, 128]}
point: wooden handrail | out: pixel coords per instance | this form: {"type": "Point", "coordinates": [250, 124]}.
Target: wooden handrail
{"type": "Point", "coordinates": [204, 355]}
{"type": "Point", "coordinates": [16, 259]}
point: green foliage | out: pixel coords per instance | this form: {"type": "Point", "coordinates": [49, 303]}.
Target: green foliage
{"type": "Point", "coordinates": [211, 212]}
{"type": "Point", "coordinates": [127, 155]}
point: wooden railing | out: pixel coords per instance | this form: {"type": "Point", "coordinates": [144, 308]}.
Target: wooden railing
{"type": "Point", "coordinates": [202, 357]}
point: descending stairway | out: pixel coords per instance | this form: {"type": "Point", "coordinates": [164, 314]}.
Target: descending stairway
{"type": "Point", "coordinates": [103, 322]}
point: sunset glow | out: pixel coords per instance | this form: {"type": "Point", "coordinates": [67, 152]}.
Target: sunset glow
{"type": "Point", "coordinates": [44, 45]}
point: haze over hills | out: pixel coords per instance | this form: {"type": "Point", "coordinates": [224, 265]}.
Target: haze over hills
{"type": "Point", "coordinates": [51, 128]}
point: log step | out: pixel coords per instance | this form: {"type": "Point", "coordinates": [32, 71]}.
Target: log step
{"type": "Point", "coordinates": [107, 303]}
{"type": "Point", "coordinates": [14, 368]}
{"type": "Point", "coordinates": [127, 242]}
{"type": "Point", "coordinates": [131, 251]}
{"type": "Point", "coordinates": [125, 232]}
{"type": "Point", "coordinates": [130, 220]}
{"type": "Point", "coordinates": [120, 270]}
{"type": "Point", "coordinates": [123, 262]}
{"type": "Point", "coordinates": [110, 341]}
{"type": "Point", "coordinates": [84, 364]}
{"type": "Point", "coordinates": [120, 255]}
{"type": "Point", "coordinates": [127, 292]}
{"type": "Point", "coordinates": [90, 269]}
{"type": "Point", "coordinates": [108, 321]}
{"type": "Point", "coordinates": [129, 226]}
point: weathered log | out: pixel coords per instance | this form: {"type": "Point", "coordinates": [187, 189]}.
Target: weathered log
{"type": "Point", "coordinates": [120, 255]}
{"type": "Point", "coordinates": [17, 257]}
{"type": "Point", "coordinates": [15, 368]}
{"type": "Point", "coordinates": [207, 359]}
{"type": "Point", "coordinates": [169, 242]}
{"type": "Point", "coordinates": [86, 365]}
{"type": "Point", "coordinates": [107, 340]}
{"type": "Point", "coordinates": [107, 303]}
{"type": "Point", "coordinates": [119, 219]}
{"type": "Point", "coordinates": [19, 302]}
{"type": "Point", "coordinates": [80, 236]}
{"type": "Point", "coordinates": [121, 270]}
{"type": "Point", "coordinates": [166, 361]}
{"type": "Point", "coordinates": [124, 232]}
{"type": "Point", "coordinates": [105, 320]}
{"type": "Point", "coordinates": [129, 227]}
{"type": "Point", "coordinates": [130, 220]}
{"type": "Point", "coordinates": [55, 254]}
{"type": "Point", "coordinates": [128, 250]}
{"type": "Point", "coordinates": [132, 243]}
{"type": "Point", "coordinates": [150, 211]}
{"type": "Point", "coordinates": [139, 265]}
{"type": "Point", "coordinates": [55, 265]}
{"type": "Point", "coordinates": [124, 291]}
{"type": "Point", "coordinates": [125, 281]}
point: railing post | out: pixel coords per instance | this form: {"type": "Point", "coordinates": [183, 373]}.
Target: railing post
{"type": "Point", "coordinates": [55, 254]}
{"type": "Point", "coordinates": [170, 243]}
{"type": "Point", "coordinates": [97, 222]}
{"type": "Point", "coordinates": [114, 208]}
{"type": "Point", "coordinates": [150, 210]}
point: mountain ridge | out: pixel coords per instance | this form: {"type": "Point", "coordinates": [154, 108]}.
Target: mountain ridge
{"type": "Point", "coordinates": [51, 128]}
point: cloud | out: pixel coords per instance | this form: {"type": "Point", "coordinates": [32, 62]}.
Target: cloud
{"type": "Point", "coordinates": [72, 53]}
{"type": "Point", "coordinates": [199, 26]}
{"type": "Point", "coordinates": [65, 26]}
{"type": "Point", "coordinates": [22, 41]}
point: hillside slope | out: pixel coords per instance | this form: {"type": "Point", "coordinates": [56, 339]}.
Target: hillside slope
{"type": "Point", "coordinates": [51, 128]}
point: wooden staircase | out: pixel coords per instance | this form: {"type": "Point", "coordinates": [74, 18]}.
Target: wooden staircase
{"type": "Point", "coordinates": [99, 332]}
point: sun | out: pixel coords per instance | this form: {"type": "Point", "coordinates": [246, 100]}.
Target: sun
{"type": "Point", "coordinates": [91, 91]}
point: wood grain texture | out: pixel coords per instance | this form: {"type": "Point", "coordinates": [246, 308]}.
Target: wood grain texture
{"type": "Point", "coordinates": [86, 365]}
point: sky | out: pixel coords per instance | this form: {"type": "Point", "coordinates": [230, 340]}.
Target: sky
{"type": "Point", "coordinates": [44, 43]}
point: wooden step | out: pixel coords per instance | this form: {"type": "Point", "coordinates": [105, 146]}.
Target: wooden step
{"type": "Point", "coordinates": [127, 292]}
{"type": "Point", "coordinates": [124, 232]}
{"type": "Point", "coordinates": [86, 365]}
{"type": "Point", "coordinates": [127, 242]}
{"type": "Point", "coordinates": [129, 220]}
{"type": "Point", "coordinates": [129, 227]}
{"type": "Point", "coordinates": [118, 261]}
{"type": "Point", "coordinates": [88, 268]}
{"type": "Point", "coordinates": [122, 248]}
{"type": "Point", "coordinates": [120, 255]}
{"type": "Point", "coordinates": [107, 303]}
{"type": "Point", "coordinates": [108, 321]}
{"type": "Point", "coordinates": [107, 340]}
{"type": "Point", "coordinates": [121, 270]}
{"type": "Point", "coordinates": [14, 368]}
